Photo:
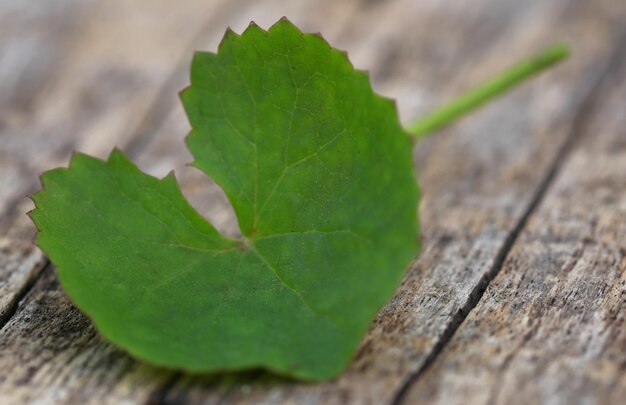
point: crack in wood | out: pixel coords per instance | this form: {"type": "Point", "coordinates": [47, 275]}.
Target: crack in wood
{"type": "Point", "coordinates": [586, 109]}
{"type": "Point", "coordinates": [14, 306]}
{"type": "Point", "coordinates": [159, 395]}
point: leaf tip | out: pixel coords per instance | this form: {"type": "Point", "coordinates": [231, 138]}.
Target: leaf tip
{"type": "Point", "coordinates": [229, 35]}
{"type": "Point", "coordinates": [183, 93]}
{"type": "Point", "coordinates": [194, 164]}
{"type": "Point", "coordinates": [116, 153]}
{"type": "Point", "coordinates": [76, 155]}
{"type": "Point", "coordinates": [343, 54]}
{"type": "Point", "coordinates": [252, 28]}
{"type": "Point", "coordinates": [284, 23]}
{"type": "Point", "coordinates": [79, 159]}
{"type": "Point", "coordinates": [32, 215]}
{"type": "Point", "coordinates": [169, 177]}
{"type": "Point", "coordinates": [34, 197]}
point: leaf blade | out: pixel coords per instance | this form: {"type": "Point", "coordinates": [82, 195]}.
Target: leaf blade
{"type": "Point", "coordinates": [319, 173]}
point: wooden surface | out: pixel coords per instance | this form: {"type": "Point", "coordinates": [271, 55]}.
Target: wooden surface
{"type": "Point", "coordinates": [519, 294]}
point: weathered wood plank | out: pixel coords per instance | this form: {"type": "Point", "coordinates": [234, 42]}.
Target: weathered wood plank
{"type": "Point", "coordinates": [552, 325]}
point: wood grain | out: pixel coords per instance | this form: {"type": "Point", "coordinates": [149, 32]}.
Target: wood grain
{"type": "Point", "coordinates": [481, 179]}
{"type": "Point", "coordinates": [552, 326]}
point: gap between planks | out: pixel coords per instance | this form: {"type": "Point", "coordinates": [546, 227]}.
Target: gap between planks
{"type": "Point", "coordinates": [586, 109]}
{"type": "Point", "coordinates": [14, 305]}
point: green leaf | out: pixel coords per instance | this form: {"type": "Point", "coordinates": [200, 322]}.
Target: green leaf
{"type": "Point", "coordinates": [319, 172]}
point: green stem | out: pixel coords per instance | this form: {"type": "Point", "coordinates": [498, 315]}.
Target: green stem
{"type": "Point", "coordinates": [476, 97]}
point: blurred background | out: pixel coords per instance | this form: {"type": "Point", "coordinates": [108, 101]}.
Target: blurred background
{"type": "Point", "coordinates": [90, 75]}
